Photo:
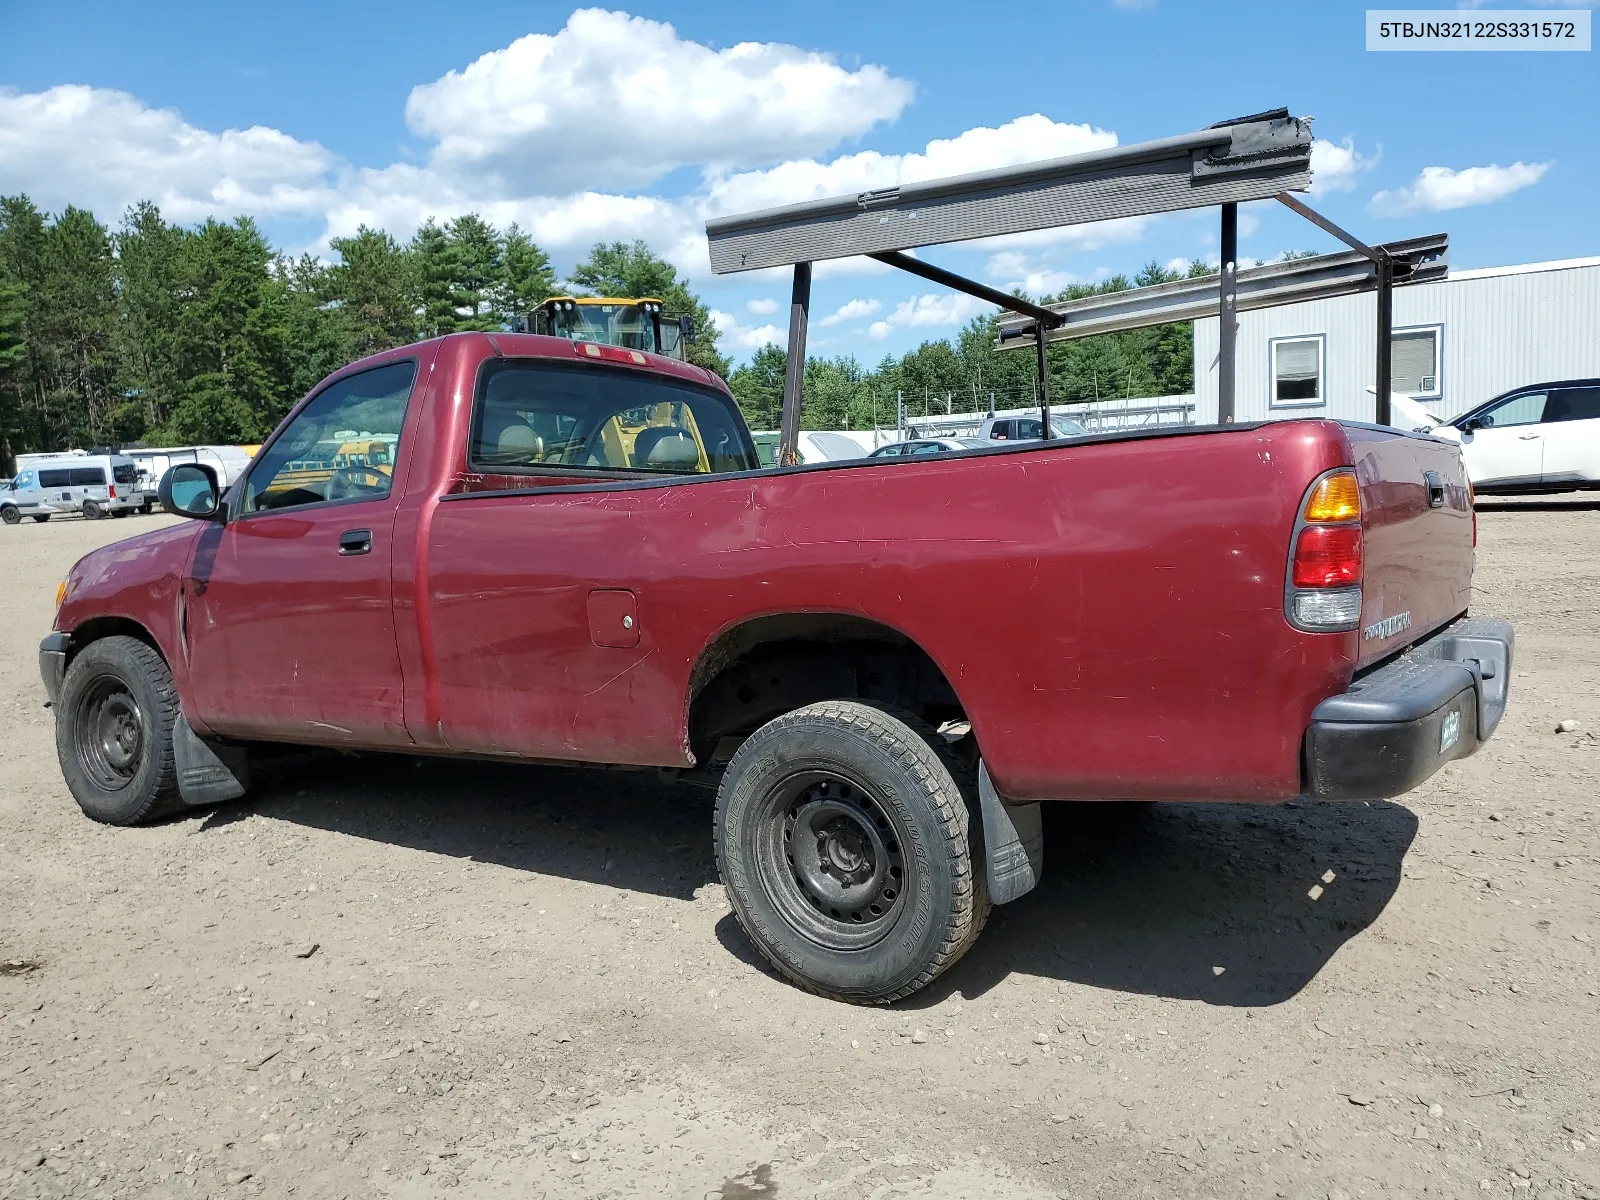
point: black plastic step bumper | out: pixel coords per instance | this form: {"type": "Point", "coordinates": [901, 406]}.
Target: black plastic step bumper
{"type": "Point", "coordinates": [1396, 726]}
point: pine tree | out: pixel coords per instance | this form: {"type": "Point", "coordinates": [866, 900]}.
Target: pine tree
{"type": "Point", "coordinates": [77, 302]}
{"type": "Point", "coordinates": [149, 277]}
{"type": "Point", "coordinates": [229, 339]}
{"type": "Point", "coordinates": [375, 289]}
{"type": "Point", "coordinates": [526, 273]}
{"type": "Point", "coordinates": [13, 361]}
{"type": "Point", "coordinates": [477, 277]}
{"type": "Point", "coordinates": [435, 272]}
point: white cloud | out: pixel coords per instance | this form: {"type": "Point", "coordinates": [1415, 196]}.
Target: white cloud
{"type": "Point", "coordinates": [851, 310]}
{"type": "Point", "coordinates": [1016, 271]}
{"type": "Point", "coordinates": [104, 150]}
{"type": "Point", "coordinates": [738, 336]}
{"type": "Point", "coordinates": [1335, 165]}
{"type": "Point", "coordinates": [615, 100]}
{"type": "Point", "coordinates": [929, 310]}
{"type": "Point", "coordinates": [1025, 139]}
{"type": "Point", "coordinates": [555, 132]}
{"type": "Point", "coordinates": [1440, 189]}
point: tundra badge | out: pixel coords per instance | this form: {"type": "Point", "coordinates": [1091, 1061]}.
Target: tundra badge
{"type": "Point", "coordinates": [1386, 628]}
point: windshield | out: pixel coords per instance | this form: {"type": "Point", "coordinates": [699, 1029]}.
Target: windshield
{"type": "Point", "coordinates": [533, 414]}
{"type": "Point", "coordinates": [622, 325]}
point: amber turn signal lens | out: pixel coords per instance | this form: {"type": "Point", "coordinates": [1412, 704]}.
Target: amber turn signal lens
{"type": "Point", "coordinates": [1336, 498]}
{"type": "Point", "coordinates": [61, 592]}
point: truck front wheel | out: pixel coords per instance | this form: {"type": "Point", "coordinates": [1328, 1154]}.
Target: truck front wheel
{"type": "Point", "coordinates": [845, 845]}
{"type": "Point", "coordinates": [114, 721]}
{"type": "Point", "coordinates": [10, 514]}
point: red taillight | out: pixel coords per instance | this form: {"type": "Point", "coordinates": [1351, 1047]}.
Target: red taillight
{"type": "Point", "coordinates": [112, 491]}
{"type": "Point", "coordinates": [1328, 556]}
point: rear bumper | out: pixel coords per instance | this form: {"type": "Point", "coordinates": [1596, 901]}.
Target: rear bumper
{"type": "Point", "coordinates": [53, 663]}
{"type": "Point", "coordinates": [1396, 726]}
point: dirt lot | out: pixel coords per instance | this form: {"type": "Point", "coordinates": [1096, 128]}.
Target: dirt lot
{"type": "Point", "coordinates": [526, 982]}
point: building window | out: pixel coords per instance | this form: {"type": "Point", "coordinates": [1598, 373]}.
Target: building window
{"type": "Point", "coordinates": [1297, 364]}
{"type": "Point", "coordinates": [1414, 361]}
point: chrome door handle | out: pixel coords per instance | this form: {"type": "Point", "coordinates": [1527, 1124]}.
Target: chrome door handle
{"type": "Point", "coordinates": [1528, 437]}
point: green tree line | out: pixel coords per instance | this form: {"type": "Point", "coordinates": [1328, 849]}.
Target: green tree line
{"type": "Point", "coordinates": [161, 333]}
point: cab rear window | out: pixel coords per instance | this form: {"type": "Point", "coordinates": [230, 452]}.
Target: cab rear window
{"type": "Point", "coordinates": [533, 415]}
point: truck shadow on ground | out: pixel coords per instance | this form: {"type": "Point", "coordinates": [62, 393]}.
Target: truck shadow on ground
{"type": "Point", "coordinates": [1146, 899]}
{"type": "Point", "coordinates": [1152, 899]}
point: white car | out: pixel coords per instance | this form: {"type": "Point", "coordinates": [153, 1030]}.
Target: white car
{"type": "Point", "coordinates": [1029, 429]}
{"type": "Point", "coordinates": [1543, 438]}
{"type": "Point", "coordinates": [932, 445]}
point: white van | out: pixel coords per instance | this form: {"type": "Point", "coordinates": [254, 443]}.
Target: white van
{"type": "Point", "coordinates": [96, 485]}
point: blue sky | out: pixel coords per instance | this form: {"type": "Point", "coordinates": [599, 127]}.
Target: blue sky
{"type": "Point", "coordinates": [638, 123]}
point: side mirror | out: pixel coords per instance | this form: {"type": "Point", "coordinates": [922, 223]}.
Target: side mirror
{"type": "Point", "coordinates": [1472, 426]}
{"type": "Point", "coordinates": [686, 328]}
{"type": "Point", "coordinates": [190, 490]}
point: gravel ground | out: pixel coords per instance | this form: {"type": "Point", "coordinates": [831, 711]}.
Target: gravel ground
{"type": "Point", "coordinates": [385, 978]}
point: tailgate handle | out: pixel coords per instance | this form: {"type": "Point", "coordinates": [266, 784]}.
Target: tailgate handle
{"type": "Point", "coordinates": [355, 541]}
{"type": "Point", "coordinates": [1435, 489]}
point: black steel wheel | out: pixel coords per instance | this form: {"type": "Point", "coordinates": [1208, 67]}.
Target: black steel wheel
{"type": "Point", "coordinates": [846, 840]}
{"type": "Point", "coordinates": [91, 511]}
{"type": "Point", "coordinates": [845, 877]}
{"type": "Point", "coordinates": [109, 732]}
{"type": "Point", "coordinates": [11, 515]}
{"type": "Point", "coordinates": [41, 518]}
{"type": "Point", "coordinates": [114, 720]}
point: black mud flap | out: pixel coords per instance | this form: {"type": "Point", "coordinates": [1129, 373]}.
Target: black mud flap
{"type": "Point", "coordinates": [209, 772]}
{"type": "Point", "coordinates": [1013, 839]}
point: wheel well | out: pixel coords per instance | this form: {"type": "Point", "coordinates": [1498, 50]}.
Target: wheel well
{"type": "Point", "coordinates": [96, 628]}
{"type": "Point", "coordinates": [773, 665]}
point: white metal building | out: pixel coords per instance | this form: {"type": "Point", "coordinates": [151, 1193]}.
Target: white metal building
{"type": "Point", "coordinates": [1457, 343]}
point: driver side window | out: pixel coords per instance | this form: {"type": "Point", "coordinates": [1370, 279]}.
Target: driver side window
{"type": "Point", "coordinates": [1526, 409]}
{"type": "Point", "coordinates": [341, 446]}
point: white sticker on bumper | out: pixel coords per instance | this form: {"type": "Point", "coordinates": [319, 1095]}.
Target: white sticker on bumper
{"type": "Point", "coordinates": [1450, 730]}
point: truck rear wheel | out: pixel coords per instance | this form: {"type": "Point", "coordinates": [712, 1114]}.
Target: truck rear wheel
{"type": "Point", "coordinates": [91, 511]}
{"type": "Point", "coordinates": [844, 841]}
{"type": "Point", "coordinates": [114, 722]}
{"type": "Point", "coordinates": [41, 518]}
{"type": "Point", "coordinates": [10, 514]}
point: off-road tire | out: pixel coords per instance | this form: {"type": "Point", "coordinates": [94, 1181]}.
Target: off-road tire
{"type": "Point", "coordinates": [11, 515]}
{"type": "Point", "coordinates": [91, 511]}
{"type": "Point", "coordinates": [41, 518]}
{"type": "Point", "coordinates": [114, 683]}
{"type": "Point", "coordinates": [146, 508]}
{"type": "Point", "coordinates": [896, 770]}
{"type": "Point", "coordinates": [120, 512]}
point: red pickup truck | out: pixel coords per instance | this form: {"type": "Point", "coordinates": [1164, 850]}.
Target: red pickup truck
{"type": "Point", "coordinates": [520, 547]}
